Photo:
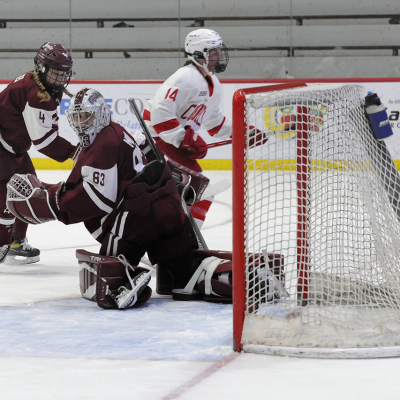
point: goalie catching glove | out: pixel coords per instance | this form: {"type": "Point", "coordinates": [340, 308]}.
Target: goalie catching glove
{"type": "Point", "coordinates": [30, 201]}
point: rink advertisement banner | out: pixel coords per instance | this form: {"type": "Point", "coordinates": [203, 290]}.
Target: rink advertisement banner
{"type": "Point", "coordinates": [117, 94]}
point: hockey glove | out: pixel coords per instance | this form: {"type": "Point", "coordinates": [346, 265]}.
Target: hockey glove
{"type": "Point", "coordinates": [194, 143]}
{"type": "Point", "coordinates": [257, 138]}
{"type": "Point", "coordinates": [29, 200]}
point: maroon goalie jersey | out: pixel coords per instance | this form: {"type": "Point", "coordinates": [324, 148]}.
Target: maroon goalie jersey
{"type": "Point", "coordinates": [93, 186]}
{"type": "Point", "coordinates": [24, 120]}
{"type": "Point", "coordinates": [116, 211]}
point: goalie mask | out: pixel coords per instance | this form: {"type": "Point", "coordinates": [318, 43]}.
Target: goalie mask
{"type": "Point", "coordinates": [53, 63]}
{"type": "Point", "coordinates": [207, 45]}
{"type": "Point", "coordinates": [88, 114]}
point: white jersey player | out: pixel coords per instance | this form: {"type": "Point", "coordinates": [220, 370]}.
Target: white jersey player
{"type": "Point", "coordinates": [188, 100]}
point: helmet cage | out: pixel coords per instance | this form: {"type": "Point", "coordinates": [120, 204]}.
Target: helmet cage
{"type": "Point", "coordinates": [49, 61]}
{"type": "Point", "coordinates": [223, 61]}
{"type": "Point", "coordinates": [88, 114]}
{"type": "Point", "coordinates": [199, 46]}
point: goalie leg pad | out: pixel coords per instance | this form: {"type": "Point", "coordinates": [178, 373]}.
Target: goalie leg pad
{"type": "Point", "coordinates": [112, 282]}
{"type": "Point", "coordinates": [164, 279]}
{"type": "Point", "coordinates": [213, 278]}
{"type": "Point", "coordinates": [206, 280]}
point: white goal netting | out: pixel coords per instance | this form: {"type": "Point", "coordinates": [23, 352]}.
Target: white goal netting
{"type": "Point", "coordinates": [324, 194]}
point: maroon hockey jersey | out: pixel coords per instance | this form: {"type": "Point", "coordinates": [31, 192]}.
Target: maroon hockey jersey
{"type": "Point", "coordinates": [97, 177]}
{"type": "Point", "coordinates": [126, 217]}
{"type": "Point", "coordinates": [24, 120]}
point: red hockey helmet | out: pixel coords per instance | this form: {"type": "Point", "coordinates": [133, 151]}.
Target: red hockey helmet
{"type": "Point", "coordinates": [54, 65]}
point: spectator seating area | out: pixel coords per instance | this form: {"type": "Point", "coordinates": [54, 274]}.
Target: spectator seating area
{"type": "Point", "coordinates": [144, 40]}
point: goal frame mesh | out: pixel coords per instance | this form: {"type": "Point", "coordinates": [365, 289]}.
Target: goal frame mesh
{"type": "Point", "coordinates": [239, 178]}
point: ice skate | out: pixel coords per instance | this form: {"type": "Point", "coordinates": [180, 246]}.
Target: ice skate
{"type": "Point", "coordinates": [3, 252]}
{"type": "Point", "coordinates": [21, 252]}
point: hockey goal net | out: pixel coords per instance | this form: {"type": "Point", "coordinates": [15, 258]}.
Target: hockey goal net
{"type": "Point", "coordinates": [322, 193]}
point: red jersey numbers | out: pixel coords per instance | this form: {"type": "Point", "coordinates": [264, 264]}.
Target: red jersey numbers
{"type": "Point", "coordinates": [98, 178]}
{"type": "Point", "coordinates": [171, 94]}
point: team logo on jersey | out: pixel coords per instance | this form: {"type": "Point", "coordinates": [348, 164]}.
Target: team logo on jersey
{"type": "Point", "coordinates": [93, 98]}
{"type": "Point", "coordinates": [203, 93]}
{"type": "Point", "coordinates": [198, 114]}
{"type": "Point", "coordinates": [19, 78]}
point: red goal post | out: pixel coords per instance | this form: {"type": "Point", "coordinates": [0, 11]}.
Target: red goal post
{"type": "Point", "coordinates": [323, 194]}
{"type": "Point", "coordinates": [239, 149]}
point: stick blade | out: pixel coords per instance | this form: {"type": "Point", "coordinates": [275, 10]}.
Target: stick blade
{"type": "Point", "coordinates": [217, 188]}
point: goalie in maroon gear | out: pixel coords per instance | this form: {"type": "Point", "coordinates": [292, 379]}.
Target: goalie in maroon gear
{"type": "Point", "coordinates": [28, 115]}
{"type": "Point", "coordinates": [128, 205]}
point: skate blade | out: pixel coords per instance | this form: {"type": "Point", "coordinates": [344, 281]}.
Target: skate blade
{"type": "Point", "coordinates": [19, 260]}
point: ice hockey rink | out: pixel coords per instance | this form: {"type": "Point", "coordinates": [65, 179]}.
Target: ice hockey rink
{"type": "Point", "coordinates": [56, 345]}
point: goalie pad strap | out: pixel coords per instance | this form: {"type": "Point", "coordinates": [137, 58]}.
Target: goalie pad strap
{"type": "Point", "coordinates": [189, 288]}
{"type": "Point", "coordinates": [210, 264]}
{"type": "Point", "coordinates": [204, 273]}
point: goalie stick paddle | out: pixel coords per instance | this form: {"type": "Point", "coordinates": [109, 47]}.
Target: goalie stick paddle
{"type": "Point", "coordinates": [200, 240]}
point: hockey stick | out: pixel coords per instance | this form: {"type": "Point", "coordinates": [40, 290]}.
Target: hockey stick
{"type": "Point", "coordinates": [217, 188]}
{"type": "Point", "coordinates": [200, 240]}
{"type": "Point", "coordinates": [217, 144]}
{"type": "Point", "coordinates": [146, 132]}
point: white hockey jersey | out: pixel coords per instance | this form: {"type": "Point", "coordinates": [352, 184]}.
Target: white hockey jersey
{"type": "Point", "coordinates": [187, 98]}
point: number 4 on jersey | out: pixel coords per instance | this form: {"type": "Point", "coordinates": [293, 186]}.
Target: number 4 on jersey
{"type": "Point", "coordinates": [172, 95]}
{"type": "Point", "coordinates": [42, 117]}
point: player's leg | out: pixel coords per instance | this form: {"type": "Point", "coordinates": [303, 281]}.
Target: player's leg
{"type": "Point", "coordinates": [6, 223]}
{"type": "Point", "coordinates": [200, 209]}
{"type": "Point", "coordinates": [21, 252]}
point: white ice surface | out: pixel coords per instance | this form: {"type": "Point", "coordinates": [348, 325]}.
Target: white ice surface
{"type": "Point", "coordinates": [56, 345]}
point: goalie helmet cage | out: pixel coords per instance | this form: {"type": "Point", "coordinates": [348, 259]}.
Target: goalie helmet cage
{"type": "Point", "coordinates": [323, 193]}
